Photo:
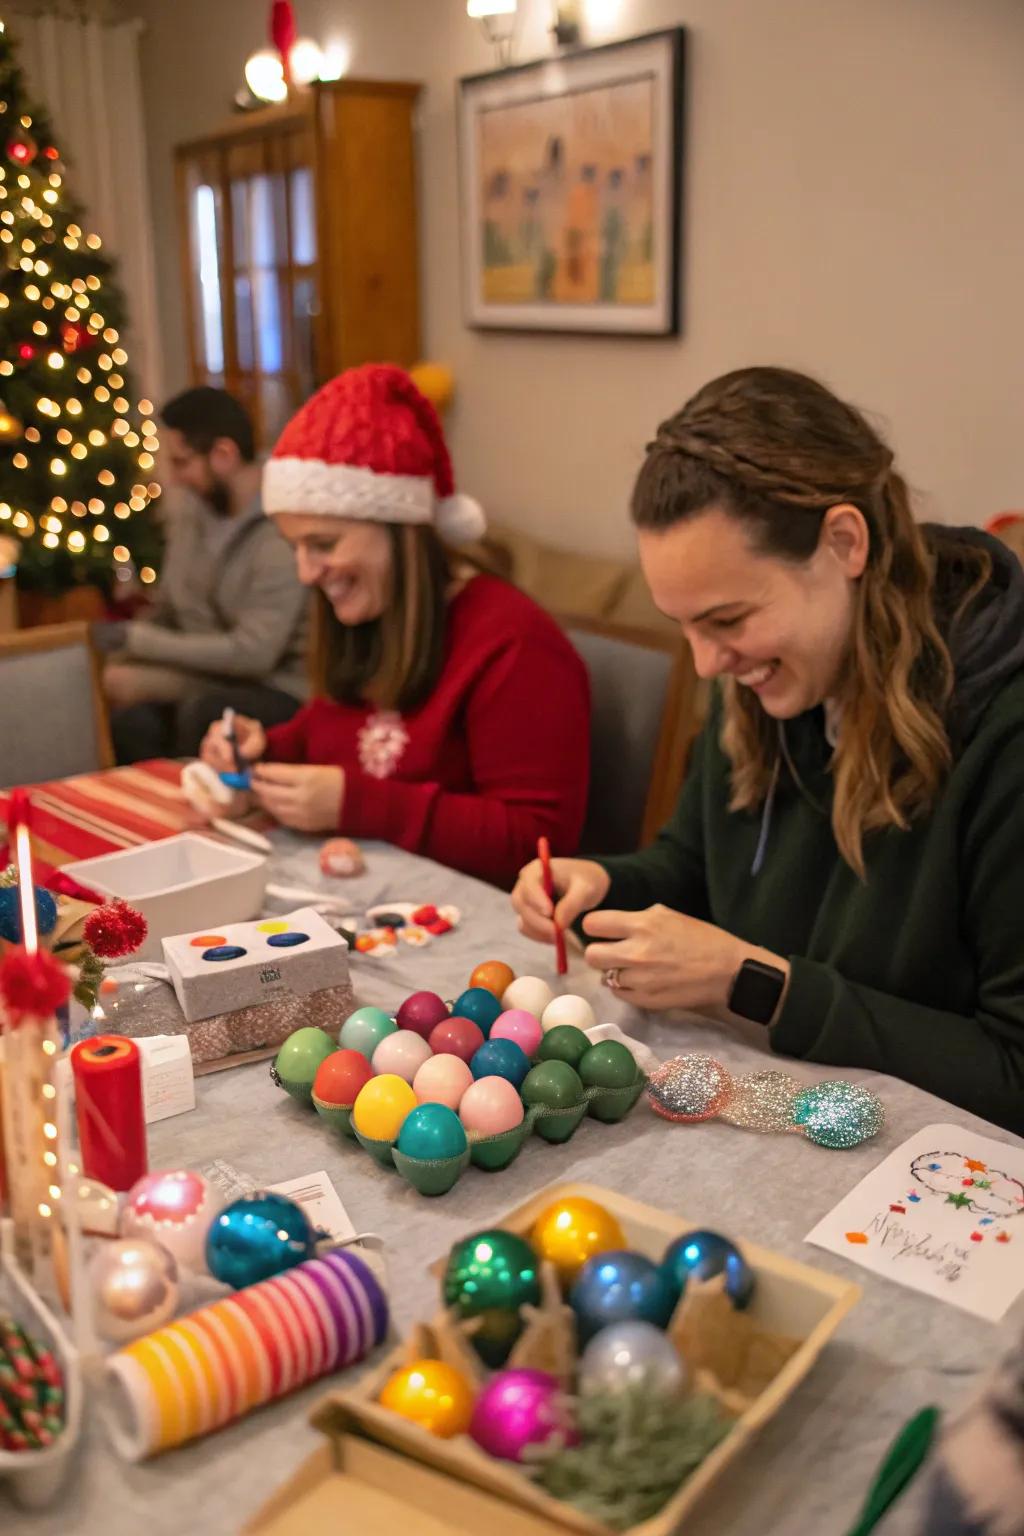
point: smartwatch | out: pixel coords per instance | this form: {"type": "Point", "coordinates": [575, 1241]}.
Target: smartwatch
{"type": "Point", "coordinates": [756, 990]}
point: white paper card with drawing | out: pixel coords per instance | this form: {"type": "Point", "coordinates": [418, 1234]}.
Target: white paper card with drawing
{"type": "Point", "coordinates": [943, 1214]}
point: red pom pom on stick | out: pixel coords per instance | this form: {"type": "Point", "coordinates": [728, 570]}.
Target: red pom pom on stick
{"type": "Point", "coordinates": [33, 986]}
{"type": "Point", "coordinates": [115, 930]}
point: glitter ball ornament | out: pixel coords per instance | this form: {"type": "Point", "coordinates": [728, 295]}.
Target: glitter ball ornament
{"type": "Point", "coordinates": [174, 1209]}
{"type": "Point", "coordinates": [838, 1114]}
{"type": "Point", "coordinates": [10, 912]}
{"type": "Point", "coordinates": [431, 1394]}
{"type": "Point", "coordinates": [762, 1101]}
{"type": "Point", "coordinates": [689, 1088]}
{"type": "Point", "coordinates": [134, 1287]}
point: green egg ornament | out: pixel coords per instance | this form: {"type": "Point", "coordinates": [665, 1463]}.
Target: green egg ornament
{"type": "Point", "coordinates": [490, 1275]}
{"type": "Point", "coordinates": [564, 1043]}
{"type": "Point", "coordinates": [609, 1064]}
{"type": "Point", "coordinates": [553, 1085]}
{"type": "Point", "coordinates": [296, 1063]}
{"type": "Point", "coordinates": [363, 1031]}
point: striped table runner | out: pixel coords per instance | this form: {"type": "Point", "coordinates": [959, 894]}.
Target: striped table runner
{"type": "Point", "coordinates": [102, 812]}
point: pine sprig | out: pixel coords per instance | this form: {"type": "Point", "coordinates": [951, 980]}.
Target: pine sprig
{"type": "Point", "coordinates": [636, 1449]}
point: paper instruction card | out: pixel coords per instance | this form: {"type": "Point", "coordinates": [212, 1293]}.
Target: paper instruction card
{"type": "Point", "coordinates": [321, 1203]}
{"type": "Point", "coordinates": [943, 1214]}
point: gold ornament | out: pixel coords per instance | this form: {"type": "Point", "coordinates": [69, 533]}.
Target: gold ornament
{"type": "Point", "coordinates": [10, 427]}
{"type": "Point", "coordinates": [572, 1231]}
{"type": "Point", "coordinates": [433, 1395]}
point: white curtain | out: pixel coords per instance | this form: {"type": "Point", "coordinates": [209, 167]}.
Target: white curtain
{"type": "Point", "coordinates": [83, 65]}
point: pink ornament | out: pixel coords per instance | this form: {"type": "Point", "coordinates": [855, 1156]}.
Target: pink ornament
{"type": "Point", "coordinates": [176, 1210]}
{"type": "Point", "coordinates": [491, 1105]}
{"type": "Point", "coordinates": [522, 1028]}
{"type": "Point", "coordinates": [442, 1080]}
{"type": "Point", "coordinates": [421, 1012]}
{"type": "Point", "coordinates": [456, 1037]}
{"type": "Point", "coordinates": [402, 1052]}
{"type": "Point", "coordinates": [517, 1409]}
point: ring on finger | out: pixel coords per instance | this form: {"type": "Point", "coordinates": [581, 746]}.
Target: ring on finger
{"type": "Point", "coordinates": [612, 979]}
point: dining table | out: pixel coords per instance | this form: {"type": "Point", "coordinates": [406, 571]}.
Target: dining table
{"type": "Point", "coordinates": [807, 1471]}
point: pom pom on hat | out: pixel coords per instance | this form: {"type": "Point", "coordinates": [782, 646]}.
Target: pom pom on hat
{"type": "Point", "coordinates": [370, 445]}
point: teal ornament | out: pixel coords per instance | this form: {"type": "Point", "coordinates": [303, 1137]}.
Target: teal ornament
{"type": "Point", "coordinates": [702, 1255]}
{"type": "Point", "coordinates": [10, 912]}
{"type": "Point", "coordinates": [432, 1133]}
{"type": "Point", "coordinates": [256, 1237]}
{"type": "Point", "coordinates": [364, 1030]}
{"type": "Point", "coordinates": [838, 1114]}
{"type": "Point", "coordinates": [622, 1287]}
{"type": "Point", "coordinates": [500, 1058]}
{"type": "Point", "coordinates": [479, 1005]}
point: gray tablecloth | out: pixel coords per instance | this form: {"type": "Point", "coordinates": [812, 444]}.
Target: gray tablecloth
{"type": "Point", "coordinates": [805, 1475]}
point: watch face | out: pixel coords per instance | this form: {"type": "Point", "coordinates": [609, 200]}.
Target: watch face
{"type": "Point", "coordinates": [756, 991]}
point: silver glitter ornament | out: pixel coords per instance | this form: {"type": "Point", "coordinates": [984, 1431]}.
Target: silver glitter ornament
{"type": "Point", "coordinates": [762, 1101]}
{"type": "Point", "coordinates": [838, 1114]}
{"type": "Point", "coordinates": [689, 1088]}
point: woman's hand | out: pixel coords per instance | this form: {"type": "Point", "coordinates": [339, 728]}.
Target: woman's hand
{"type": "Point", "coordinates": [662, 959]}
{"type": "Point", "coordinates": [307, 798]}
{"type": "Point", "coordinates": [580, 884]}
{"type": "Point", "coordinates": [250, 738]}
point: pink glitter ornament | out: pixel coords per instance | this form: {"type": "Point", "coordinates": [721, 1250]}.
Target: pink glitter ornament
{"type": "Point", "coordinates": [689, 1088]}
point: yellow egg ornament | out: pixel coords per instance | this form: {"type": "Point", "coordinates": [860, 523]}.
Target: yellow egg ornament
{"type": "Point", "coordinates": [572, 1231]}
{"type": "Point", "coordinates": [381, 1106]}
{"type": "Point", "coordinates": [433, 1395]}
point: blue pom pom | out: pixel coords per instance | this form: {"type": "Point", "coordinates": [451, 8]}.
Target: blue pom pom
{"type": "Point", "coordinates": [10, 913]}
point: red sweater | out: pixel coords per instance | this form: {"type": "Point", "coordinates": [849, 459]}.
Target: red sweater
{"type": "Point", "coordinates": [498, 754]}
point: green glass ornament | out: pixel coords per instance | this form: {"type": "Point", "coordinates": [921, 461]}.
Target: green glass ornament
{"type": "Point", "coordinates": [609, 1064]}
{"type": "Point", "coordinates": [564, 1043]}
{"type": "Point", "coordinates": [490, 1275]}
{"type": "Point", "coordinates": [553, 1085]}
{"type": "Point", "coordinates": [297, 1061]}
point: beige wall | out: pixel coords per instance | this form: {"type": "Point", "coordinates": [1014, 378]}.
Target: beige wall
{"type": "Point", "coordinates": [854, 207]}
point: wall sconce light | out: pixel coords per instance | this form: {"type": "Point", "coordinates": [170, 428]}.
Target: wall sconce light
{"type": "Point", "coordinates": [498, 20]}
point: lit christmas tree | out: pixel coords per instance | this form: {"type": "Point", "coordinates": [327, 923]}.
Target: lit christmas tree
{"type": "Point", "coordinates": [76, 457]}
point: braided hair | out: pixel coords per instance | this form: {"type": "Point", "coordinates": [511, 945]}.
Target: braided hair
{"type": "Point", "coordinates": [776, 449]}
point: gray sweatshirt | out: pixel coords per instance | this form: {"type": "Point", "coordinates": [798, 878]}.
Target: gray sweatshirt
{"type": "Point", "coordinates": [230, 604]}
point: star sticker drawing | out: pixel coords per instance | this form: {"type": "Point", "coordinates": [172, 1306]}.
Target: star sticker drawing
{"type": "Point", "coordinates": [959, 1201]}
{"type": "Point", "coordinates": [968, 1183]}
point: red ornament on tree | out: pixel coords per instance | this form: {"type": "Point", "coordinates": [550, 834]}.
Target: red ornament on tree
{"type": "Point", "coordinates": [51, 152]}
{"type": "Point", "coordinates": [22, 150]}
{"type": "Point", "coordinates": [26, 351]}
{"type": "Point", "coordinates": [283, 34]}
{"type": "Point", "coordinates": [33, 986]}
{"type": "Point", "coordinates": [76, 337]}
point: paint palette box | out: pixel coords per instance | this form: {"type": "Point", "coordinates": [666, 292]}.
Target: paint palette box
{"type": "Point", "coordinates": [240, 965]}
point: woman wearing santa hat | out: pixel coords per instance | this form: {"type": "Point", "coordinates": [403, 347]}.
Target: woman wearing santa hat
{"type": "Point", "coordinates": [450, 714]}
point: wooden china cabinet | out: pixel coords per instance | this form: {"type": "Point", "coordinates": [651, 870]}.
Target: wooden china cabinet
{"type": "Point", "coordinates": [299, 244]}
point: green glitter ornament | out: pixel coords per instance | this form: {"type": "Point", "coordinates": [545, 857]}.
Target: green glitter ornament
{"type": "Point", "coordinates": [490, 1275]}
{"type": "Point", "coordinates": [838, 1114]}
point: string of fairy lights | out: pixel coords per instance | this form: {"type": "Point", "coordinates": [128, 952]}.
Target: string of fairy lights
{"type": "Point", "coordinates": [24, 217]}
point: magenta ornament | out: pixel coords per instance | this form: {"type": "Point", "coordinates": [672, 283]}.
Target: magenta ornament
{"type": "Point", "coordinates": [517, 1409]}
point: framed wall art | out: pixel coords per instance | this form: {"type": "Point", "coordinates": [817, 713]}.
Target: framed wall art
{"type": "Point", "coordinates": [571, 178]}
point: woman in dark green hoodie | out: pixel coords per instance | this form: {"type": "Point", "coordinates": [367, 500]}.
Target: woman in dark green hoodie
{"type": "Point", "coordinates": [846, 861]}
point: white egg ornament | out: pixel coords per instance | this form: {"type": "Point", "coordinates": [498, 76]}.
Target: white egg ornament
{"type": "Point", "coordinates": [134, 1288]}
{"type": "Point", "coordinates": [530, 993]}
{"type": "Point", "coordinates": [174, 1208]}
{"type": "Point", "coordinates": [569, 1009]}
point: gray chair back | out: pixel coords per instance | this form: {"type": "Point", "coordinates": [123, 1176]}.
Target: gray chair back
{"type": "Point", "coordinates": [629, 685]}
{"type": "Point", "coordinates": [51, 720]}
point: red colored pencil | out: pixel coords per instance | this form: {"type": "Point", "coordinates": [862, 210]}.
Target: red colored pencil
{"type": "Point", "coordinates": [544, 854]}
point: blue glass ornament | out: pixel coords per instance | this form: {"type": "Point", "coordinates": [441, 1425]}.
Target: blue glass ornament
{"type": "Point", "coordinates": [10, 913]}
{"type": "Point", "coordinates": [258, 1236]}
{"type": "Point", "coordinates": [838, 1114]}
{"type": "Point", "coordinates": [478, 1004]}
{"type": "Point", "coordinates": [703, 1255]}
{"type": "Point", "coordinates": [500, 1058]}
{"type": "Point", "coordinates": [619, 1287]}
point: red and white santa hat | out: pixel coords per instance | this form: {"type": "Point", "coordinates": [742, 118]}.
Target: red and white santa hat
{"type": "Point", "coordinates": [370, 445]}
